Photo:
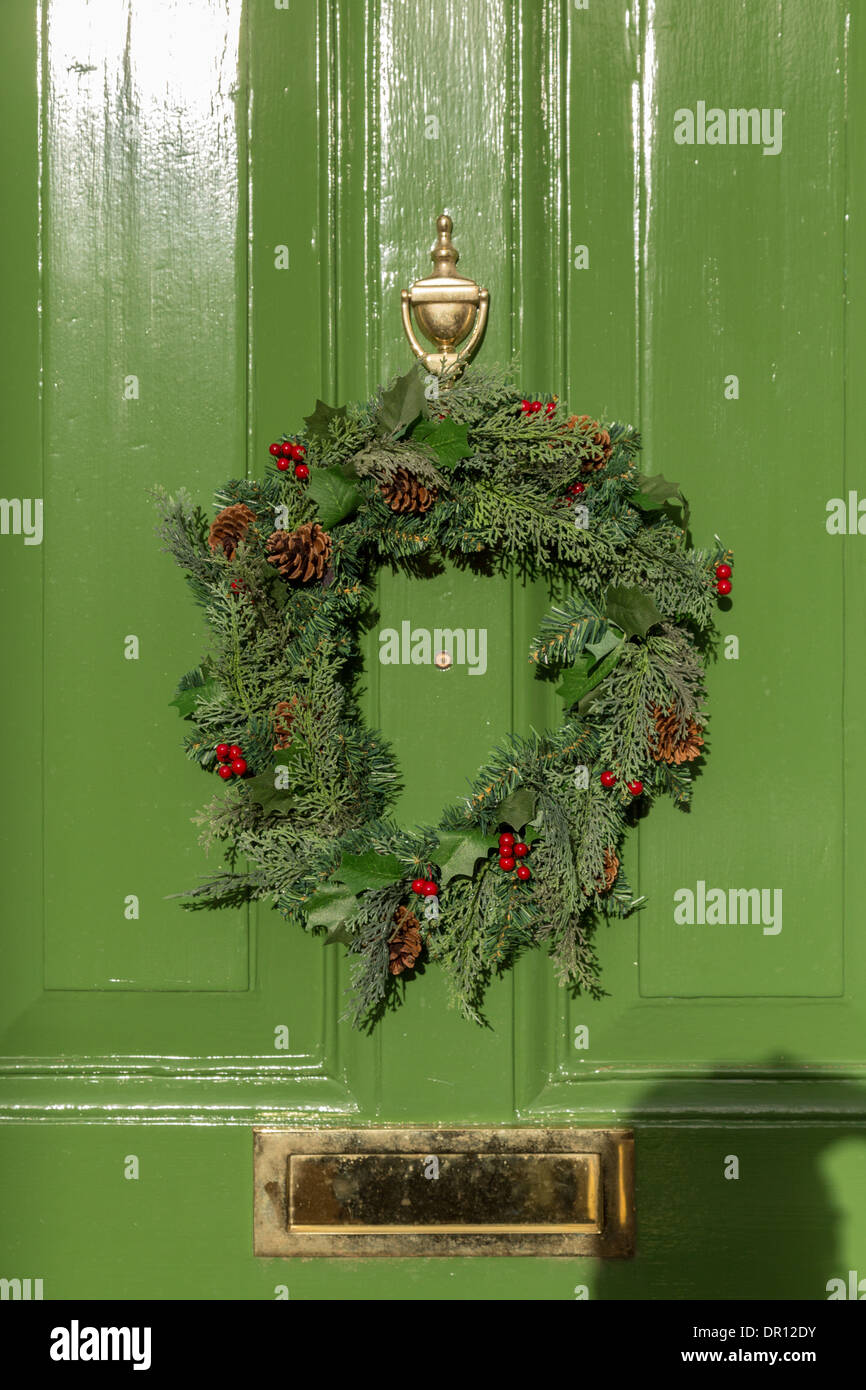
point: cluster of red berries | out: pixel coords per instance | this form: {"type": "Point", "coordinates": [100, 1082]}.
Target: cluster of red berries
{"type": "Point", "coordinates": [574, 490]}
{"type": "Point", "coordinates": [232, 762]}
{"type": "Point", "coordinates": [424, 887]}
{"type": "Point", "coordinates": [608, 779]}
{"type": "Point", "coordinates": [723, 579]}
{"type": "Point", "coordinates": [536, 407]}
{"type": "Point", "coordinates": [510, 850]}
{"type": "Point", "coordinates": [289, 453]}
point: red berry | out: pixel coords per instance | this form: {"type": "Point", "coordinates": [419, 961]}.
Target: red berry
{"type": "Point", "coordinates": [536, 407]}
{"type": "Point", "coordinates": [608, 778]}
{"type": "Point", "coordinates": [524, 872]}
{"type": "Point", "coordinates": [576, 489]}
{"type": "Point", "coordinates": [287, 449]}
{"type": "Point", "coordinates": [550, 407]}
{"type": "Point", "coordinates": [239, 766]}
{"type": "Point", "coordinates": [418, 886]}
{"type": "Point", "coordinates": [222, 752]}
{"type": "Point", "coordinates": [235, 750]}
{"type": "Point", "coordinates": [299, 453]}
{"type": "Point", "coordinates": [526, 407]}
{"type": "Point", "coordinates": [276, 450]}
{"type": "Point", "coordinates": [506, 840]}
{"type": "Point", "coordinates": [506, 862]}
{"type": "Point", "coordinates": [224, 771]}
{"type": "Point", "coordinates": [520, 850]}
{"type": "Point", "coordinates": [724, 586]}
{"type": "Point", "coordinates": [635, 787]}
{"type": "Point", "coordinates": [283, 465]}
{"type": "Point", "coordinates": [723, 571]}
{"type": "Point", "coordinates": [302, 472]}
{"type": "Point", "coordinates": [431, 889]}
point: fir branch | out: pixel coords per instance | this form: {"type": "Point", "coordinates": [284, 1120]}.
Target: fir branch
{"type": "Point", "coordinates": [567, 630]}
{"type": "Point", "coordinates": [372, 985]}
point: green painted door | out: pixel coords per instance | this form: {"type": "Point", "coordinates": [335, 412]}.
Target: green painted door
{"type": "Point", "coordinates": [213, 208]}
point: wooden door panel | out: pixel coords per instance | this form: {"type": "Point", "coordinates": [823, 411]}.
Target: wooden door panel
{"type": "Point", "coordinates": [145, 274]}
{"type": "Point", "coordinates": [745, 278]}
{"type": "Point", "coordinates": [144, 360]}
{"type": "Point", "coordinates": [741, 259]}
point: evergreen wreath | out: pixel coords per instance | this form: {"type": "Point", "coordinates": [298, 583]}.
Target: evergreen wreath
{"type": "Point", "coordinates": [531, 856]}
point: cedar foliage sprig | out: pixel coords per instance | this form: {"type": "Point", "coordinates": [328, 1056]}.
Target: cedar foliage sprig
{"type": "Point", "coordinates": [629, 632]}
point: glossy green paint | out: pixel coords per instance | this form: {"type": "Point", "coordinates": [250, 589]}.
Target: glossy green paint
{"type": "Point", "coordinates": [181, 1230]}
{"type": "Point", "coordinates": [180, 146]}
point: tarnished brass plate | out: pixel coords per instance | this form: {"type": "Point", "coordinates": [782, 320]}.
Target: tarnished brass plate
{"type": "Point", "coordinates": [443, 1192]}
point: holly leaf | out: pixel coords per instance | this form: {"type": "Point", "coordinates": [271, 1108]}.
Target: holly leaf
{"type": "Point", "coordinates": [518, 808]}
{"type": "Point", "coordinates": [186, 700]}
{"type": "Point", "coordinates": [331, 908]}
{"type": "Point", "coordinates": [632, 610]}
{"type": "Point", "coordinates": [459, 852]}
{"type": "Point", "coordinates": [402, 402]}
{"type": "Point", "coordinates": [369, 870]}
{"type": "Point", "coordinates": [448, 440]}
{"type": "Point", "coordinates": [606, 643]}
{"type": "Point", "coordinates": [586, 674]}
{"type": "Point", "coordinates": [319, 423]}
{"type": "Point", "coordinates": [575, 681]}
{"type": "Point", "coordinates": [338, 934]}
{"type": "Point", "coordinates": [654, 491]}
{"type": "Point", "coordinates": [335, 492]}
{"type": "Point", "coordinates": [269, 789]}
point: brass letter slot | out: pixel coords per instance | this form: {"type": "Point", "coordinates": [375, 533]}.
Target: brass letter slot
{"type": "Point", "coordinates": [464, 1194]}
{"type": "Point", "coordinates": [443, 1192]}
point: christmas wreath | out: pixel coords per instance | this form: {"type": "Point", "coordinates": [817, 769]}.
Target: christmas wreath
{"type": "Point", "coordinates": [531, 855]}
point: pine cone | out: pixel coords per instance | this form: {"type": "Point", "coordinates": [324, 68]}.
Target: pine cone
{"type": "Point", "coordinates": [601, 448]}
{"type": "Point", "coordinates": [405, 944]}
{"type": "Point", "coordinates": [403, 492]}
{"type": "Point", "coordinates": [303, 554]}
{"type": "Point", "coordinates": [668, 744]}
{"type": "Point", "coordinates": [229, 527]}
{"type": "Point", "coordinates": [284, 718]}
{"type": "Point", "coordinates": [611, 869]}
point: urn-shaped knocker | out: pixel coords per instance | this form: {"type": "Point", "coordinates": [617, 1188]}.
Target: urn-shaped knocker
{"type": "Point", "coordinates": [449, 309]}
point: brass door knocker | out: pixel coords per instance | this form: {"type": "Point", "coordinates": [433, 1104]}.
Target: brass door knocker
{"type": "Point", "coordinates": [448, 307]}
